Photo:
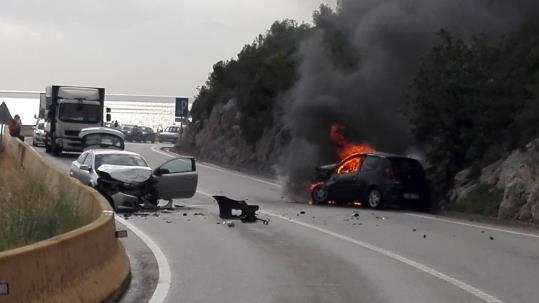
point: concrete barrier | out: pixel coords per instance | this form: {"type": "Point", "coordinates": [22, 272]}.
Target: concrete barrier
{"type": "Point", "coordinates": [84, 265]}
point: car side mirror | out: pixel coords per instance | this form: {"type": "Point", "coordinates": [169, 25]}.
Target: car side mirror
{"type": "Point", "coordinates": [84, 167]}
{"type": "Point", "coordinates": [160, 171]}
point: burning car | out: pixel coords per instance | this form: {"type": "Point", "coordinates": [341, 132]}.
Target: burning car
{"type": "Point", "coordinates": [124, 178]}
{"type": "Point", "coordinates": [374, 178]}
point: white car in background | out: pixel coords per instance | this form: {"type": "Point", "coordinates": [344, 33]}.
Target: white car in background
{"type": "Point", "coordinates": [171, 134]}
{"type": "Point", "coordinates": [124, 178]}
{"type": "Point", "coordinates": [39, 133]}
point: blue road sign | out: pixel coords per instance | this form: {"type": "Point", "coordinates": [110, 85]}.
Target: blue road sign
{"type": "Point", "coordinates": [182, 107]}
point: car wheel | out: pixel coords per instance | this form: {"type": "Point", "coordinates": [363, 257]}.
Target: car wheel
{"type": "Point", "coordinates": [320, 194]}
{"type": "Point", "coordinates": [375, 198]}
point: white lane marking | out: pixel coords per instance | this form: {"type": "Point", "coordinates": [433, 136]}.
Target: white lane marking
{"type": "Point", "coordinates": [462, 285]}
{"type": "Point", "coordinates": [219, 169]}
{"type": "Point", "coordinates": [164, 281]}
{"type": "Point", "coordinates": [475, 225]}
{"type": "Point", "coordinates": [424, 268]}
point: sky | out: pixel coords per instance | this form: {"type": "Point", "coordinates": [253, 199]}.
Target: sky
{"type": "Point", "coordinates": [157, 47]}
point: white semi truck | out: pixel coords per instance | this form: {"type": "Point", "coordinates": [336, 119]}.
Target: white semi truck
{"type": "Point", "coordinates": [67, 110]}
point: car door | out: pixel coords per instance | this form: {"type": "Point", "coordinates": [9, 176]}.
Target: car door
{"type": "Point", "coordinates": [176, 179]}
{"type": "Point", "coordinates": [367, 175]}
{"type": "Point", "coordinates": [75, 166]}
{"type": "Point", "coordinates": [345, 178]}
{"type": "Point", "coordinates": [85, 174]}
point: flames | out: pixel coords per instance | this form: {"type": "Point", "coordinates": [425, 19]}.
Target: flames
{"type": "Point", "coordinates": [345, 148]}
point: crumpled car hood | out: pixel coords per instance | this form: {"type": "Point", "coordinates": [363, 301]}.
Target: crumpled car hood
{"type": "Point", "coordinates": [127, 174]}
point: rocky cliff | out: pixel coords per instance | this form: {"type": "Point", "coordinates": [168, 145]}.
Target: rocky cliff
{"type": "Point", "coordinates": [508, 188]}
{"type": "Point", "coordinates": [219, 138]}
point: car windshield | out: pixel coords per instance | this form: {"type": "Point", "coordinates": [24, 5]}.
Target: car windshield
{"type": "Point", "coordinates": [119, 159]}
{"type": "Point", "coordinates": [80, 113]}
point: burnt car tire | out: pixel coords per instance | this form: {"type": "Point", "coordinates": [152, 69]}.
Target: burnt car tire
{"type": "Point", "coordinates": [375, 199]}
{"type": "Point", "coordinates": [320, 194]}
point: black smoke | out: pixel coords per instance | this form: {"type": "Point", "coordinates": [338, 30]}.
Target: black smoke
{"type": "Point", "coordinates": [357, 65]}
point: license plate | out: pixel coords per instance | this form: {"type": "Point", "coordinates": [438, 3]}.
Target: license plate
{"type": "Point", "coordinates": [411, 196]}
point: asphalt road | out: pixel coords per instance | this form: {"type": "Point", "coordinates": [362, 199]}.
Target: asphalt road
{"type": "Point", "coordinates": [323, 254]}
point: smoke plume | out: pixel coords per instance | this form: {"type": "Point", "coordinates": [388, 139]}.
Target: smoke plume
{"type": "Point", "coordinates": [384, 42]}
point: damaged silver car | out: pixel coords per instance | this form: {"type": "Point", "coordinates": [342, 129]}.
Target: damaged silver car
{"type": "Point", "coordinates": [125, 178]}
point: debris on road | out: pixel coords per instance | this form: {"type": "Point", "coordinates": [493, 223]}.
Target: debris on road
{"type": "Point", "coordinates": [168, 221]}
{"type": "Point", "coordinates": [230, 224]}
{"type": "Point", "coordinates": [247, 212]}
{"type": "Point", "coordinates": [491, 238]}
{"type": "Point", "coordinates": [414, 229]}
{"type": "Point", "coordinates": [424, 236]}
{"type": "Point", "coordinates": [380, 218]}
{"type": "Point", "coordinates": [198, 214]}
{"type": "Point", "coordinates": [184, 214]}
{"type": "Point", "coordinates": [355, 214]}
{"type": "Point", "coordinates": [302, 212]}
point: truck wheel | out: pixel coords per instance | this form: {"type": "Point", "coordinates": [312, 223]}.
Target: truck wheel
{"type": "Point", "coordinates": [56, 151]}
{"type": "Point", "coordinates": [47, 146]}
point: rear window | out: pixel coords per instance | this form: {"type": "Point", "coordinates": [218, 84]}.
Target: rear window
{"type": "Point", "coordinates": [405, 166]}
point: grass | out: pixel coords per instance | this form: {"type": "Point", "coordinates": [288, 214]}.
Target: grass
{"type": "Point", "coordinates": [483, 200]}
{"type": "Point", "coordinates": [28, 213]}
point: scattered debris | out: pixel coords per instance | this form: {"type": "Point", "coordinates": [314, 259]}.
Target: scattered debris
{"type": "Point", "coordinates": [302, 212]}
{"type": "Point", "coordinates": [424, 236]}
{"type": "Point", "coordinates": [355, 214]}
{"type": "Point", "coordinates": [178, 205]}
{"type": "Point", "coordinates": [155, 215]}
{"type": "Point", "coordinates": [230, 224]}
{"type": "Point", "coordinates": [184, 214]}
{"type": "Point", "coordinates": [218, 222]}
{"type": "Point", "coordinates": [166, 211]}
{"type": "Point", "coordinates": [247, 213]}
{"type": "Point", "coordinates": [414, 229]}
{"type": "Point", "coordinates": [482, 231]}
{"type": "Point", "coordinates": [491, 238]}
{"type": "Point", "coordinates": [168, 221]}
{"type": "Point", "coordinates": [198, 214]}
{"type": "Point", "coordinates": [359, 223]}
{"type": "Point", "coordinates": [381, 218]}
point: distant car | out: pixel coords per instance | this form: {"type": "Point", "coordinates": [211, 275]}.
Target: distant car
{"type": "Point", "coordinates": [124, 178]}
{"type": "Point", "coordinates": [39, 133]}
{"type": "Point", "coordinates": [132, 133]}
{"type": "Point", "coordinates": [148, 134]}
{"type": "Point", "coordinates": [126, 129]}
{"type": "Point", "coordinates": [374, 178]}
{"type": "Point", "coordinates": [171, 134]}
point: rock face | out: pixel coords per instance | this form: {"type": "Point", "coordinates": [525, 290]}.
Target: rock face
{"type": "Point", "coordinates": [518, 177]}
{"type": "Point", "coordinates": [219, 138]}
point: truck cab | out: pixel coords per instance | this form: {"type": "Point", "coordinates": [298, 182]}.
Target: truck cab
{"type": "Point", "coordinates": [68, 110]}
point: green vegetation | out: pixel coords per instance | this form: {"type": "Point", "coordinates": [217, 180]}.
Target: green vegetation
{"type": "Point", "coordinates": [262, 71]}
{"type": "Point", "coordinates": [483, 200]}
{"type": "Point", "coordinates": [473, 101]}
{"type": "Point", "coordinates": [28, 213]}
